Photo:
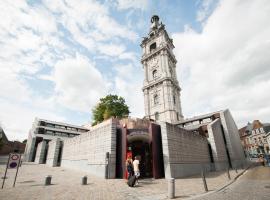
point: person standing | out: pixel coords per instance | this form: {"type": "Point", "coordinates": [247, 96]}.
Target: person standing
{"type": "Point", "coordinates": [129, 166]}
{"type": "Point", "coordinates": [136, 164]}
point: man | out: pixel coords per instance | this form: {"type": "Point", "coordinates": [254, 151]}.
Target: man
{"type": "Point", "coordinates": [136, 169]}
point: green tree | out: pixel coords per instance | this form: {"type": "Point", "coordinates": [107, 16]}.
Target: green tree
{"type": "Point", "coordinates": [109, 106]}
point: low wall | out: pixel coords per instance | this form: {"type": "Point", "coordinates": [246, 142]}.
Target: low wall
{"type": "Point", "coordinates": [53, 152]}
{"type": "Point", "coordinates": [234, 146]}
{"type": "Point", "coordinates": [3, 159]}
{"type": "Point", "coordinates": [87, 152]}
{"type": "Point", "coordinates": [184, 152]}
{"type": "Point", "coordinates": [216, 140]}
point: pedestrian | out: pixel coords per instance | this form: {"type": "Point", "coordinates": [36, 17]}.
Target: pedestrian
{"type": "Point", "coordinates": [129, 167]}
{"type": "Point", "coordinates": [136, 164]}
{"type": "Point", "coordinates": [261, 160]}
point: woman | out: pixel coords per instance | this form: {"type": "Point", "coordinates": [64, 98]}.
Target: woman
{"type": "Point", "coordinates": [129, 167]}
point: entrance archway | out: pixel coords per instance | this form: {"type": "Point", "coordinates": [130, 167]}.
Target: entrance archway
{"type": "Point", "coordinates": [145, 142]}
{"type": "Point", "coordinates": [138, 144]}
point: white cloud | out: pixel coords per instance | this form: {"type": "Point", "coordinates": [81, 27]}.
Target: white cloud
{"type": "Point", "coordinates": [227, 65]}
{"type": "Point", "coordinates": [133, 4]}
{"type": "Point", "coordinates": [111, 49]}
{"type": "Point", "coordinates": [78, 83]}
{"type": "Point", "coordinates": [16, 118]}
{"type": "Point", "coordinates": [128, 84]}
{"type": "Point", "coordinates": [204, 10]}
{"type": "Point", "coordinates": [88, 20]}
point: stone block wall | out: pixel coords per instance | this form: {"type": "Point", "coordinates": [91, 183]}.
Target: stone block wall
{"type": "Point", "coordinates": [87, 152]}
{"type": "Point", "coordinates": [53, 152]}
{"type": "Point", "coordinates": [216, 140]}
{"type": "Point", "coordinates": [234, 146]}
{"type": "Point", "coordinates": [29, 149]}
{"type": "Point", "coordinates": [184, 153]}
{"type": "Point", "coordinates": [40, 153]}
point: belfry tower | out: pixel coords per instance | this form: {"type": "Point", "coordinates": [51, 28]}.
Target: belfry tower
{"type": "Point", "coordinates": [161, 88]}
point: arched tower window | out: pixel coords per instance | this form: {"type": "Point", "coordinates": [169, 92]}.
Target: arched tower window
{"type": "Point", "coordinates": [154, 74]}
{"type": "Point", "coordinates": [156, 116]}
{"type": "Point", "coordinates": [174, 101]}
{"type": "Point", "coordinates": [153, 47]}
{"type": "Point", "coordinates": [156, 99]}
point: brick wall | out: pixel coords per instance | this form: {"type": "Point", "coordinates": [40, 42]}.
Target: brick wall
{"type": "Point", "coordinates": [87, 152]}
{"type": "Point", "coordinates": [184, 152]}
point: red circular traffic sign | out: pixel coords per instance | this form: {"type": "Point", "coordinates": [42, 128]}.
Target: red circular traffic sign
{"type": "Point", "coordinates": [14, 157]}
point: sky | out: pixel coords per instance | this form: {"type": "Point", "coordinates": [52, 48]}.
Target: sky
{"type": "Point", "coordinates": [59, 57]}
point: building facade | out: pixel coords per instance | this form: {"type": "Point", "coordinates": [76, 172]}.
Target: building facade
{"type": "Point", "coordinates": [42, 132]}
{"type": "Point", "coordinates": [7, 146]}
{"type": "Point", "coordinates": [254, 138]}
{"type": "Point", "coordinates": [161, 88]}
{"type": "Point", "coordinates": [167, 144]}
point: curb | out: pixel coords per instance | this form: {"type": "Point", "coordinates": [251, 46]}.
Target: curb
{"type": "Point", "coordinates": [223, 187]}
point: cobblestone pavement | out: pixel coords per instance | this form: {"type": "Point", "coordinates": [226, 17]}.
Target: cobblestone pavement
{"type": "Point", "coordinates": [66, 185]}
{"type": "Point", "coordinates": [253, 185]}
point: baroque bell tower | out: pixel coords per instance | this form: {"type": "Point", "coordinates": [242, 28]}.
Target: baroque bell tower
{"type": "Point", "coordinates": [161, 88]}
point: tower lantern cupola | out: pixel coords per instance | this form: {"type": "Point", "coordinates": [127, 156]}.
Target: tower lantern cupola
{"type": "Point", "coordinates": [155, 22]}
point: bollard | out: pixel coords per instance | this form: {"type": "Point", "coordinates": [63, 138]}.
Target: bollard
{"type": "Point", "coordinates": [204, 181]}
{"type": "Point", "coordinates": [84, 180]}
{"type": "Point", "coordinates": [236, 170]}
{"type": "Point", "coordinates": [48, 180]}
{"type": "Point", "coordinates": [228, 173]}
{"type": "Point", "coordinates": [171, 188]}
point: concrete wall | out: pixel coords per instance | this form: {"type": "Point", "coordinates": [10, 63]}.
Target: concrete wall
{"type": "Point", "coordinates": [234, 146]}
{"type": "Point", "coordinates": [30, 148]}
{"type": "Point", "coordinates": [87, 152]}
{"type": "Point", "coordinates": [53, 152]}
{"type": "Point", "coordinates": [40, 152]}
{"type": "Point", "coordinates": [184, 152]}
{"type": "Point", "coordinates": [216, 140]}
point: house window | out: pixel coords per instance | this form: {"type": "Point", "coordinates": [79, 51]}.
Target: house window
{"type": "Point", "coordinates": [153, 47]}
{"type": "Point", "coordinates": [156, 116]}
{"type": "Point", "coordinates": [154, 74]}
{"type": "Point", "coordinates": [156, 99]}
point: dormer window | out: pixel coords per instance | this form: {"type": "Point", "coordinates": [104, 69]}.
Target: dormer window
{"type": "Point", "coordinates": [154, 74]}
{"type": "Point", "coordinates": [153, 47]}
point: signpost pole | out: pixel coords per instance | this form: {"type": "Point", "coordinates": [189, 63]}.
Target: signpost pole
{"type": "Point", "coordinates": [4, 178]}
{"type": "Point", "coordinates": [17, 171]}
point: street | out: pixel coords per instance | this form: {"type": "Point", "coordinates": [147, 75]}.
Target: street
{"type": "Point", "coordinates": [253, 185]}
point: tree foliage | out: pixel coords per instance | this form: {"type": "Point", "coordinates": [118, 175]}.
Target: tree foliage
{"type": "Point", "coordinates": [110, 106]}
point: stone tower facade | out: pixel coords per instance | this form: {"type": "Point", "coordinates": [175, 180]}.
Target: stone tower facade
{"type": "Point", "coordinates": [161, 88]}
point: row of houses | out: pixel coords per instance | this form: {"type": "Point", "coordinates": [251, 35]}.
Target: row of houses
{"type": "Point", "coordinates": [255, 138]}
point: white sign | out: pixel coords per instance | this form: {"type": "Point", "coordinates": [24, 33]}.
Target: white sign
{"type": "Point", "coordinates": [14, 161]}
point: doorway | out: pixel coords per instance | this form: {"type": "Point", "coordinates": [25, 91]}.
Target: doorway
{"type": "Point", "coordinates": [142, 149]}
{"type": "Point", "coordinates": [138, 144]}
